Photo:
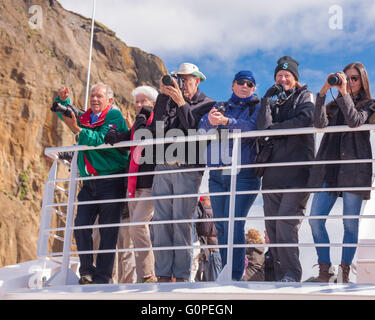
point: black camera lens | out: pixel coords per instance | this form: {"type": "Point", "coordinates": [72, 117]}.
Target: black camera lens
{"type": "Point", "coordinates": [167, 80]}
{"type": "Point", "coordinates": [334, 80]}
{"type": "Point", "coordinates": [58, 107]}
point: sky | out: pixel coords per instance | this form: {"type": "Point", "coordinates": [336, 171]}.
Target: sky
{"type": "Point", "coordinates": [223, 37]}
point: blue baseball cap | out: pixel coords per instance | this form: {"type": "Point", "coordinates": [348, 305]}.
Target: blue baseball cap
{"type": "Point", "coordinates": [245, 74]}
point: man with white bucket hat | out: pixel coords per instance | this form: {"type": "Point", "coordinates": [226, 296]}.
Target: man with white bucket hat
{"type": "Point", "coordinates": [178, 109]}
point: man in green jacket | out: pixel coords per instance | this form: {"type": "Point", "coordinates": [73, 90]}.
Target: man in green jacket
{"type": "Point", "coordinates": [91, 128]}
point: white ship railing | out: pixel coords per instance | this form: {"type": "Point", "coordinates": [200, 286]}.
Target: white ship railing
{"type": "Point", "coordinates": [65, 274]}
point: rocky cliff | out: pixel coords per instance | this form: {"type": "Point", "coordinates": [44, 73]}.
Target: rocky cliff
{"type": "Point", "coordinates": [40, 52]}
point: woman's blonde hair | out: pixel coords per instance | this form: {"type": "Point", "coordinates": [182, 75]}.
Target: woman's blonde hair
{"type": "Point", "coordinates": [254, 236]}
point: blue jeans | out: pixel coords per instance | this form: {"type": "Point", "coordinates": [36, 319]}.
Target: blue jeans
{"type": "Point", "coordinates": [322, 204]}
{"type": "Point", "coordinates": [220, 182]}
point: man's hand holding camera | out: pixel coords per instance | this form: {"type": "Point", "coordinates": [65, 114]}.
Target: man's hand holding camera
{"type": "Point", "coordinates": [216, 118]}
{"type": "Point", "coordinates": [173, 92]}
{"type": "Point", "coordinates": [72, 123]}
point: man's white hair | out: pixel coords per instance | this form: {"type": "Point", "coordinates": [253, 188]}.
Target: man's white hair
{"type": "Point", "coordinates": [148, 91]}
{"type": "Point", "coordinates": [109, 90]}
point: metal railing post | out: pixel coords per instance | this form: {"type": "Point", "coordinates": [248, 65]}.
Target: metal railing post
{"type": "Point", "coordinates": [65, 275]}
{"type": "Point", "coordinates": [232, 205]}
{"type": "Point", "coordinates": [45, 218]}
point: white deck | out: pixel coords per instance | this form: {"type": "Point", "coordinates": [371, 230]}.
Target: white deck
{"type": "Point", "coordinates": [199, 291]}
{"type": "Point", "coordinates": [14, 286]}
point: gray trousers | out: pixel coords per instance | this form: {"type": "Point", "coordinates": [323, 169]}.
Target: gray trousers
{"type": "Point", "coordinates": [286, 260]}
{"type": "Point", "coordinates": [177, 262]}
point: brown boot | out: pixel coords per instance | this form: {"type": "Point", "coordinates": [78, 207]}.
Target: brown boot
{"type": "Point", "coordinates": [343, 275]}
{"type": "Point", "coordinates": [325, 274]}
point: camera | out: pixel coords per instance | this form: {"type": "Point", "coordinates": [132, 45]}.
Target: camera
{"type": "Point", "coordinates": [334, 80]}
{"type": "Point", "coordinates": [221, 108]}
{"type": "Point", "coordinates": [275, 90]}
{"type": "Point", "coordinates": [65, 110]}
{"type": "Point", "coordinates": [167, 81]}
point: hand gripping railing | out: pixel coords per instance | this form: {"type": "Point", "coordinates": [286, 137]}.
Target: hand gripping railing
{"type": "Point", "coordinates": [66, 276]}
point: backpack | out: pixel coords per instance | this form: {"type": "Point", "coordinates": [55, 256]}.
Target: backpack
{"type": "Point", "coordinates": [206, 228]}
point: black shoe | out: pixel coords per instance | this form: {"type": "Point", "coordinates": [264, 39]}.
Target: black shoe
{"type": "Point", "coordinates": [287, 279]}
{"type": "Point", "coordinates": [164, 279]}
{"type": "Point", "coordinates": [86, 279]}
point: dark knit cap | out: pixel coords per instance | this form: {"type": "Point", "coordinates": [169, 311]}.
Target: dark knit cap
{"type": "Point", "coordinates": [289, 64]}
{"type": "Point", "coordinates": [245, 74]}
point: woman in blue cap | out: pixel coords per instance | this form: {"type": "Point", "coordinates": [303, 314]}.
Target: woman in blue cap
{"type": "Point", "coordinates": [239, 113]}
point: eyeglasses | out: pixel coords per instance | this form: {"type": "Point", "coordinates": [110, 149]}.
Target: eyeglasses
{"type": "Point", "coordinates": [354, 78]}
{"type": "Point", "coordinates": [241, 82]}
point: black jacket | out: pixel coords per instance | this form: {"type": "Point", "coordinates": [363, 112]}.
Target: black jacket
{"type": "Point", "coordinates": [296, 112]}
{"type": "Point", "coordinates": [140, 123]}
{"type": "Point", "coordinates": [183, 118]}
{"type": "Point", "coordinates": [343, 145]}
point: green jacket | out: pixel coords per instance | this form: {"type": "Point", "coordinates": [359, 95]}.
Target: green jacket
{"type": "Point", "coordinates": [102, 161]}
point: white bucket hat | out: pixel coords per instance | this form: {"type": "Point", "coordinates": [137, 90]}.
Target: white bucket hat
{"type": "Point", "coordinates": [189, 68]}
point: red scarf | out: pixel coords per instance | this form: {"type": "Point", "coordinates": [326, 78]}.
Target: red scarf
{"type": "Point", "coordinates": [135, 156]}
{"type": "Point", "coordinates": [85, 120]}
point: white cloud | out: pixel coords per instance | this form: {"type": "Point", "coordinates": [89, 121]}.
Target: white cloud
{"type": "Point", "coordinates": [228, 29]}
{"type": "Point", "coordinates": [223, 36]}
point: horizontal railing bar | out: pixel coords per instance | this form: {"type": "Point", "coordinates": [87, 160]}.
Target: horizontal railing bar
{"type": "Point", "coordinates": [56, 237]}
{"type": "Point", "coordinates": [200, 137]}
{"type": "Point", "coordinates": [304, 163]}
{"type": "Point", "coordinates": [59, 188]}
{"type": "Point", "coordinates": [260, 245]}
{"type": "Point", "coordinates": [366, 260]}
{"type": "Point", "coordinates": [177, 196]}
{"type": "Point", "coordinates": [214, 194]}
{"type": "Point", "coordinates": [144, 173]}
{"type": "Point", "coordinates": [60, 213]}
{"type": "Point", "coordinates": [251, 218]}
{"type": "Point", "coordinates": [197, 169]}
{"type": "Point", "coordinates": [122, 224]}
{"type": "Point", "coordinates": [307, 190]}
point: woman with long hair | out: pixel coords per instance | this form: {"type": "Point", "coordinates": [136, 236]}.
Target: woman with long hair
{"type": "Point", "coordinates": [352, 107]}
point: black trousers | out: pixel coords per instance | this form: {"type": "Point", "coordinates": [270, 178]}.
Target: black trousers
{"type": "Point", "coordinates": [286, 259]}
{"type": "Point", "coordinates": [102, 189]}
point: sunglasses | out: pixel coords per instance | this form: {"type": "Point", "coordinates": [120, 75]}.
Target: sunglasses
{"type": "Point", "coordinates": [354, 78]}
{"type": "Point", "coordinates": [241, 82]}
